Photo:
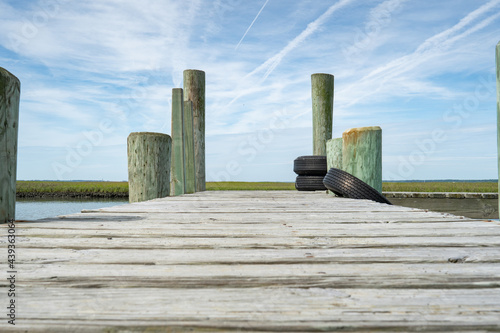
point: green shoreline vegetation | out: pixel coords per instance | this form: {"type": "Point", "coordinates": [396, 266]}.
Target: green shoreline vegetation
{"type": "Point", "coordinates": [33, 189]}
{"type": "Point", "coordinates": [103, 189]}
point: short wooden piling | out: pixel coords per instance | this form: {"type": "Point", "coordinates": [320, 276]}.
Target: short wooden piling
{"type": "Point", "coordinates": [334, 153]}
{"type": "Point", "coordinates": [322, 109]}
{"type": "Point", "coordinates": [148, 165]}
{"type": "Point", "coordinates": [189, 163]}
{"type": "Point", "coordinates": [177, 172]}
{"type": "Point", "coordinates": [10, 90]}
{"type": "Point", "coordinates": [362, 154]}
{"type": "Point", "coordinates": [194, 91]}
{"type": "Point", "coordinates": [498, 113]}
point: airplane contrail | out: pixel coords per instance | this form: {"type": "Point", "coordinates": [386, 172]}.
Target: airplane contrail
{"type": "Point", "coordinates": [251, 24]}
{"type": "Point", "coordinates": [425, 51]}
{"type": "Point", "coordinates": [274, 61]}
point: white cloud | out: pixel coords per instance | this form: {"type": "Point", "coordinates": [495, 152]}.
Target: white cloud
{"type": "Point", "coordinates": [120, 59]}
{"type": "Point", "coordinates": [387, 78]}
{"type": "Point", "coordinates": [270, 65]}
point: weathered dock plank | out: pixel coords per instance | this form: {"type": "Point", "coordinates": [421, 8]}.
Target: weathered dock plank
{"type": "Point", "coordinates": [265, 309]}
{"type": "Point", "coordinates": [257, 261]}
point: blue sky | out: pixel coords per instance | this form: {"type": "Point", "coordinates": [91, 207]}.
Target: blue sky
{"type": "Point", "coordinates": [94, 71]}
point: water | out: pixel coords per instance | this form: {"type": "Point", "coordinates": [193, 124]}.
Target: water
{"type": "Point", "coordinates": [34, 209]}
{"type": "Point", "coordinates": [473, 208]}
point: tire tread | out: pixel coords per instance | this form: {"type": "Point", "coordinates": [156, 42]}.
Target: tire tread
{"type": "Point", "coordinates": [309, 183]}
{"type": "Point", "coordinates": [310, 165]}
{"type": "Point", "coordinates": [346, 185]}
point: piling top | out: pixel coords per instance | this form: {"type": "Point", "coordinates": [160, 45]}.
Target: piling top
{"type": "Point", "coordinates": [362, 129]}
{"type": "Point", "coordinates": [194, 70]}
{"type": "Point", "coordinates": [149, 134]}
{"type": "Point", "coordinates": [319, 74]}
{"type": "Point", "coordinates": [335, 140]}
{"type": "Point", "coordinates": [6, 74]}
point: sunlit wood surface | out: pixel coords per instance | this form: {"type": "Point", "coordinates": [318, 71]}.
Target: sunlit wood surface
{"type": "Point", "coordinates": [256, 261]}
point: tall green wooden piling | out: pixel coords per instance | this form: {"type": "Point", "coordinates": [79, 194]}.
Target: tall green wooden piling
{"type": "Point", "coordinates": [148, 165]}
{"type": "Point", "coordinates": [194, 91]}
{"type": "Point", "coordinates": [177, 172]}
{"type": "Point", "coordinates": [10, 90]}
{"type": "Point", "coordinates": [189, 163]}
{"type": "Point", "coordinates": [498, 113]}
{"type": "Point", "coordinates": [362, 154]}
{"type": "Point", "coordinates": [322, 110]}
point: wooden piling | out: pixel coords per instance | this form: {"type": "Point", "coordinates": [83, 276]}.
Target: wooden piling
{"type": "Point", "coordinates": [148, 165]}
{"type": "Point", "coordinates": [322, 109]}
{"type": "Point", "coordinates": [362, 154]}
{"type": "Point", "coordinates": [194, 91]}
{"type": "Point", "coordinates": [334, 153]}
{"type": "Point", "coordinates": [177, 172]}
{"type": "Point", "coordinates": [10, 90]}
{"type": "Point", "coordinates": [189, 163]}
{"type": "Point", "coordinates": [498, 112]}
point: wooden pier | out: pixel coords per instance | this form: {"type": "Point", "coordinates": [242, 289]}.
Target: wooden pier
{"type": "Point", "coordinates": [255, 261]}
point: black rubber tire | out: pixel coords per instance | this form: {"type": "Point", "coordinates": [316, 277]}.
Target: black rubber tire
{"type": "Point", "coordinates": [346, 185]}
{"type": "Point", "coordinates": [311, 165]}
{"type": "Point", "coordinates": [309, 183]}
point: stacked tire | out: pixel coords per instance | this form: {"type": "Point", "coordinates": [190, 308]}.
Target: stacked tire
{"type": "Point", "coordinates": [310, 170]}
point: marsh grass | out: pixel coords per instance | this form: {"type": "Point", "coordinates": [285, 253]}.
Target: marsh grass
{"type": "Point", "coordinates": [71, 189]}
{"type": "Point", "coordinates": [120, 189]}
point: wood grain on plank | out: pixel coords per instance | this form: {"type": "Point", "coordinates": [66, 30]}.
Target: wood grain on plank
{"type": "Point", "coordinates": [258, 261]}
